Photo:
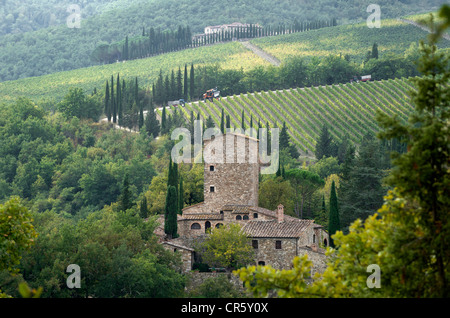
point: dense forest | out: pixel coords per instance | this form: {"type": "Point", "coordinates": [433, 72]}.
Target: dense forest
{"type": "Point", "coordinates": [30, 47]}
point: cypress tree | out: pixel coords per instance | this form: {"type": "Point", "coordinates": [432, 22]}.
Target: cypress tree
{"type": "Point", "coordinates": [181, 196]}
{"type": "Point", "coordinates": [179, 85]}
{"type": "Point", "coordinates": [375, 51]}
{"type": "Point", "coordinates": [119, 100]}
{"type": "Point", "coordinates": [107, 102]}
{"type": "Point", "coordinates": [284, 138]}
{"type": "Point", "coordinates": [141, 115]}
{"type": "Point", "coordinates": [333, 223]}
{"type": "Point", "coordinates": [222, 122]}
{"type": "Point", "coordinates": [186, 91]}
{"type": "Point", "coordinates": [170, 209]}
{"type": "Point", "coordinates": [113, 101]}
{"type": "Point", "coordinates": [228, 121]}
{"type": "Point", "coordinates": [151, 122]}
{"type": "Point", "coordinates": [125, 198]}
{"type": "Point", "coordinates": [324, 144]}
{"type": "Point", "coordinates": [243, 121]}
{"type": "Point", "coordinates": [143, 211]}
{"type": "Point", "coordinates": [163, 121]}
{"type": "Point", "coordinates": [192, 83]}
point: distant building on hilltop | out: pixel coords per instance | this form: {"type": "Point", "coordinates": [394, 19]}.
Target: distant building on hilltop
{"type": "Point", "coordinates": [231, 196]}
{"type": "Point", "coordinates": [229, 27]}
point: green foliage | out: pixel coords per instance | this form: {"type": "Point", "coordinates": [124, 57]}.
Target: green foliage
{"type": "Point", "coordinates": [227, 247]}
{"type": "Point", "coordinates": [171, 212]}
{"type": "Point", "coordinates": [406, 238]}
{"type": "Point", "coordinates": [77, 104]}
{"type": "Point", "coordinates": [17, 233]}
{"type": "Point", "coordinates": [304, 183]}
{"type": "Point", "coordinates": [217, 287]}
{"type": "Point", "coordinates": [334, 223]}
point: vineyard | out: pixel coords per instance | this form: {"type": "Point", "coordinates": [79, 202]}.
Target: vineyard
{"type": "Point", "coordinates": [55, 86]}
{"type": "Point", "coordinates": [346, 108]}
{"type": "Point", "coordinates": [354, 40]}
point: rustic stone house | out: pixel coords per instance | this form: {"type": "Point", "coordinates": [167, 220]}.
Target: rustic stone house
{"type": "Point", "coordinates": [231, 177]}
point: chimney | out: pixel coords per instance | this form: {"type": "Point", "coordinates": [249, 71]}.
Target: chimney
{"type": "Point", "coordinates": [280, 213]}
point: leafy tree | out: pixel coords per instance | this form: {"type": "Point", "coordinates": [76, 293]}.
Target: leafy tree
{"type": "Point", "coordinates": [18, 233]}
{"type": "Point", "coordinates": [274, 191]}
{"type": "Point", "coordinates": [406, 238]}
{"type": "Point", "coordinates": [305, 183]}
{"type": "Point", "coordinates": [77, 104]}
{"type": "Point", "coordinates": [227, 247]}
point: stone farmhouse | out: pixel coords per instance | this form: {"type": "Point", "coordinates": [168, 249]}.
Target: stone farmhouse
{"type": "Point", "coordinates": [231, 196]}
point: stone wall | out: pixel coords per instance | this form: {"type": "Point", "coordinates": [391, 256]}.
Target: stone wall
{"type": "Point", "coordinates": [235, 180]}
{"type": "Point", "coordinates": [268, 253]}
{"type": "Point", "coordinates": [195, 279]}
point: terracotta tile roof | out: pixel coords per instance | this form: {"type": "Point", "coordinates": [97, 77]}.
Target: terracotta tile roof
{"type": "Point", "coordinates": [202, 216]}
{"type": "Point", "coordinates": [236, 208]}
{"type": "Point", "coordinates": [287, 229]}
{"type": "Point", "coordinates": [179, 246]}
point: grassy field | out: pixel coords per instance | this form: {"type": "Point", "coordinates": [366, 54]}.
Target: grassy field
{"type": "Point", "coordinates": [354, 40]}
{"type": "Point", "coordinates": [229, 55]}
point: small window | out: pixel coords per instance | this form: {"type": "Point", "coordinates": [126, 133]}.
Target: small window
{"type": "Point", "coordinates": [238, 217]}
{"type": "Point", "coordinates": [262, 263]}
{"type": "Point", "coordinates": [325, 242]}
{"type": "Point", "coordinates": [314, 238]}
{"type": "Point", "coordinates": [278, 245]}
{"type": "Point", "coordinates": [255, 244]}
{"type": "Point", "coordinates": [245, 217]}
{"type": "Point", "coordinates": [255, 215]}
{"type": "Point", "coordinates": [195, 226]}
{"type": "Point", "coordinates": [218, 225]}
{"type": "Point", "coordinates": [211, 189]}
{"type": "Point", "coordinates": [211, 168]}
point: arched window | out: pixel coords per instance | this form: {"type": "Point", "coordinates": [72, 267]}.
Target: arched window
{"type": "Point", "coordinates": [211, 168]}
{"type": "Point", "coordinates": [195, 226]}
{"type": "Point", "coordinates": [207, 226]}
{"type": "Point", "coordinates": [255, 215]}
{"type": "Point", "coordinates": [245, 217]}
{"type": "Point", "coordinates": [218, 225]}
{"type": "Point", "coordinates": [238, 217]}
{"type": "Point", "coordinates": [325, 242]}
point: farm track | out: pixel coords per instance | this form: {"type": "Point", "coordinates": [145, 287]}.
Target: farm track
{"type": "Point", "coordinates": [261, 53]}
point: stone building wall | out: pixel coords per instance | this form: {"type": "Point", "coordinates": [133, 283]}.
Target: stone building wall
{"type": "Point", "coordinates": [231, 172]}
{"type": "Point", "coordinates": [268, 253]}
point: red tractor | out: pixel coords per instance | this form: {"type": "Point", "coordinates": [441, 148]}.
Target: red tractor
{"type": "Point", "coordinates": [211, 94]}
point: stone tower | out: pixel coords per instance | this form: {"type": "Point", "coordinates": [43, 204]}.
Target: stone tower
{"type": "Point", "coordinates": [231, 172]}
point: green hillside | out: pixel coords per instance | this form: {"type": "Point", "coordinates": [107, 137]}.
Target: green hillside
{"type": "Point", "coordinates": [354, 40]}
{"type": "Point", "coordinates": [35, 40]}
{"type": "Point", "coordinates": [346, 108]}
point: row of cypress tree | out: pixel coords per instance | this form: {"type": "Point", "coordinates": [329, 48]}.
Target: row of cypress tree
{"type": "Point", "coordinates": [154, 42]}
